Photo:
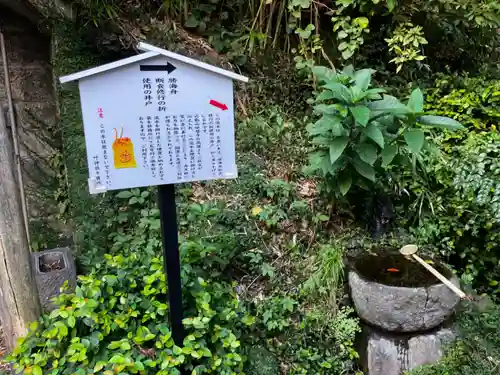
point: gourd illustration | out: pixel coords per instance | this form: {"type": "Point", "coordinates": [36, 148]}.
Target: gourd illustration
{"type": "Point", "coordinates": [123, 151]}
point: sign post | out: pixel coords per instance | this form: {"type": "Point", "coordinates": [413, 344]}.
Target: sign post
{"type": "Point", "coordinates": [171, 259]}
{"type": "Point", "coordinates": [158, 119]}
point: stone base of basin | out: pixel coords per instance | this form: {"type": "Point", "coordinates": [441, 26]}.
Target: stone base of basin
{"type": "Point", "coordinates": [52, 268]}
{"type": "Point", "coordinates": [383, 353]}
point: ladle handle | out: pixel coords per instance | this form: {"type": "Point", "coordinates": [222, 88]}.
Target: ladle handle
{"type": "Point", "coordinates": [443, 279]}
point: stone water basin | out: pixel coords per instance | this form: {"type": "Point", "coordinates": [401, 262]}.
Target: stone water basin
{"type": "Point", "coordinates": [395, 294]}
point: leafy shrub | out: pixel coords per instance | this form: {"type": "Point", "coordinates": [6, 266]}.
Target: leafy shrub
{"type": "Point", "coordinates": [116, 322]}
{"type": "Point", "coordinates": [307, 339]}
{"type": "Point", "coordinates": [406, 44]}
{"type": "Point", "coordinates": [474, 101]}
{"type": "Point", "coordinates": [359, 133]}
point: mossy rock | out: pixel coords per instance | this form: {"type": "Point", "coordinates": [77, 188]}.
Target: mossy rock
{"type": "Point", "coordinates": [262, 362]}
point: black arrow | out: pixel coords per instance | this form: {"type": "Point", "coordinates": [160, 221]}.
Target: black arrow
{"type": "Point", "coordinates": [158, 68]}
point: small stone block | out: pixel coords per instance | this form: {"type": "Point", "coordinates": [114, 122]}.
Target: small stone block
{"type": "Point", "coordinates": [52, 268]}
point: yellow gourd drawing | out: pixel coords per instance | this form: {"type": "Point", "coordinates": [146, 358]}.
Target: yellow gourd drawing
{"type": "Point", "coordinates": [123, 151]}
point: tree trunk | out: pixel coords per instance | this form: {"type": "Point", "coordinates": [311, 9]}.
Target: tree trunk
{"type": "Point", "coordinates": [19, 302]}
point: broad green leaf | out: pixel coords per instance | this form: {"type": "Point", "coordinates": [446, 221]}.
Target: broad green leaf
{"type": "Point", "coordinates": [363, 78]}
{"type": "Point", "coordinates": [388, 154]}
{"type": "Point", "coordinates": [114, 345]}
{"type": "Point", "coordinates": [288, 304]}
{"type": "Point", "coordinates": [177, 350]}
{"type": "Point", "coordinates": [337, 147]}
{"type": "Point", "coordinates": [342, 46]}
{"type": "Point", "coordinates": [362, 22]}
{"type": "Point", "coordinates": [388, 105]}
{"type": "Point", "coordinates": [338, 129]}
{"type": "Point", "coordinates": [192, 22]}
{"type": "Point", "coordinates": [348, 70]}
{"type": "Point", "coordinates": [302, 3]}
{"type": "Point", "coordinates": [416, 102]}
{"type": "Point", "coordinates": [414, 139]}
{"type": "Point", "coordinates": [339, 91]}
{"type": "Point", "coordinates": [325, 124]}
{"type": "Point", "coordinates": [324, 74]}
{"type": "Point", "coordinates": [321, 140]}
{"type": "Point", "coordinates": [305, 33]}
{"type": "Point", "coordinates": [71, 321]}
{"type": "Point", "coordinates": [164, 329]}
{"type": "Point", "coordinates": [325, 95]}
{"type": "Point", "coordinates": [319, 160]}
{"type": "Point", "coordinates": [440, 122]}
{"type": "Point", "coordinates": [391, 4]}
{"type": "Point", "coordinates": [138, 366]}
{"type": "Point", "coordinates": [33, 326]}
{"type": "Point", "coordinates": [373, 132]}
{"type": "Point", "coordinates": [118, 358]}
{"type": "Point", "coordinates": [99, 366]}
{"type": "Point", "coordinates": [347, 54]}
{"type": "Point", "coordinates": [267, 270]}
{"type": "Point", "coordinates": [342, 34]}
{"type": "Point", "coordinates": [125, 346]}
{"type": "Point", "coordinates": [126, 194]}
{"type": "Point", "coordinates": [344, 182]}
{"type": "Point", "coordinates": [367, 152]}
{"type": "Point", "coordinates": [361, 114]}
{"type": "Point", "coordinates": [364, 169]}
{"type": "Point", "coordinates": [371, 94]}
{"type": "Point", "coordinates": [327, 109]}
{"type": "Point", "coordinates": [36, 370]}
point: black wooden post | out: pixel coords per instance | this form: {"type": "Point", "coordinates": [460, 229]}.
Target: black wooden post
{"type": "Point", "coordinates": [171, 261]}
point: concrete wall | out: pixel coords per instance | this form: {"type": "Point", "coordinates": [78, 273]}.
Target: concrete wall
{"type": "Point", "coordinates": [28, 54]}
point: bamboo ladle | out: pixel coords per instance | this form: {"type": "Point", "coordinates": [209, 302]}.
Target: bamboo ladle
{"type": "Point", "coordinates": [410, 251]}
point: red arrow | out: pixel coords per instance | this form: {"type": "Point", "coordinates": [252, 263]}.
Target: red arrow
{"type": "Point", "coordinates": [215, 103]}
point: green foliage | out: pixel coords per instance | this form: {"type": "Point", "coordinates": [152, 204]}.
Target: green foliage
{"type": "Point", "coordinates": [98, 11]}
{"type": "Point", "coordinates": [464, 225]}
{"type": "Point", "coordinates": [326, 343]}
{"type": "Point", "coordinates": [265, 227]}
{"type": "Point", "coordinates": [478, 13]}
{"type": "Point", "coordinates": [478, 348]}
{"type": "Point", "coordinates": [406, 43]}
{"type": "Point", "coordinates": [262, 362]}
{"type": "Point", "coordinates": [474, 101]}
{"type": "Point", "coordinates": [115, 322]}
{"type": "Point", "coordinates": [261, 132]}
{"type": "Point", "coordinates": [349, 33]}
{"type": "Point", "coordinates": [360, 132]}
{"type": "Point", "coordinates": [327, 273]}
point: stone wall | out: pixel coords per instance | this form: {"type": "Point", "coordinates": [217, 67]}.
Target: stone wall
{"type": "Point", "coordinates": [28, 55]}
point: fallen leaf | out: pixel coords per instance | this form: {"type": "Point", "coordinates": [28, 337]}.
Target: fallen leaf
{"type": "Point", "coordinates": [256, 210]}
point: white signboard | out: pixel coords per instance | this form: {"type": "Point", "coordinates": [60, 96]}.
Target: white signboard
{"type": "Point", "coordinates": [157, 121]}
